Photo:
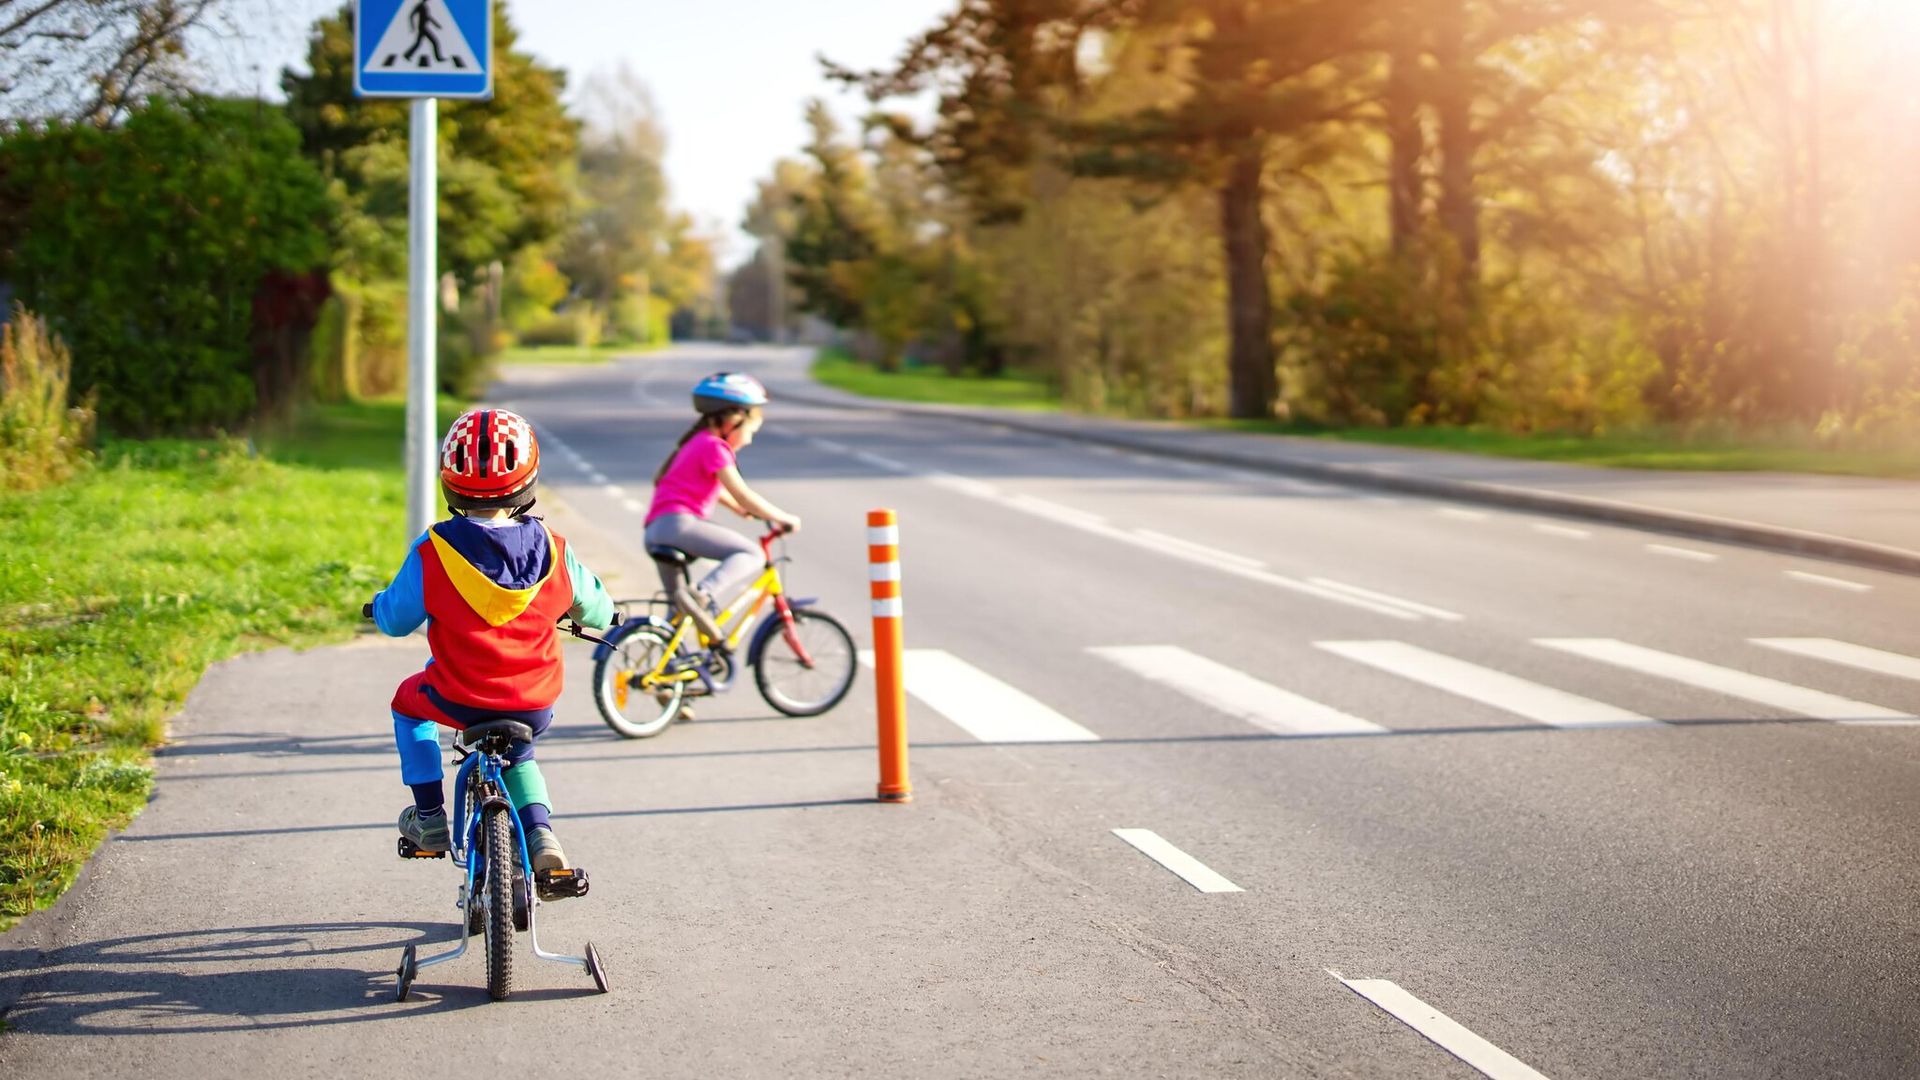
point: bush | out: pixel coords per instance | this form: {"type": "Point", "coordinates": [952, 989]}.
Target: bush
{"type": "Point", "coordinates": [581, 325]}
{"type": "Point", "coordinates": [42, 440]}
{"type": "Point", "coordinates": [144, 246]}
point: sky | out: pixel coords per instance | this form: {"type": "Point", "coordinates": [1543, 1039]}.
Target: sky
{"type": "Point", "coordinates": [730, 77]}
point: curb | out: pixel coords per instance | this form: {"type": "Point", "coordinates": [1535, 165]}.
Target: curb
{"type": "Point", "coordinates": [1579, 507]}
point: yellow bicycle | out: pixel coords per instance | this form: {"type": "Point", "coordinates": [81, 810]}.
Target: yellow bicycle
{"type": "Point", "coordinates": [803, 659]}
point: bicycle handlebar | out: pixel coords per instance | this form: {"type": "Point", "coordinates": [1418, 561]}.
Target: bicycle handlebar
{"type": "Point", "coordinates": [571, 627]}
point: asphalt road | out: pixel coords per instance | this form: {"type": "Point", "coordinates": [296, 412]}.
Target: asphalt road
{"type": "Point", "coordinates": [1599, 797]}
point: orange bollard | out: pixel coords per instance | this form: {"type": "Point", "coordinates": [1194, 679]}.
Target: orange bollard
{"type": "Point", "coordinates": [890, 689]}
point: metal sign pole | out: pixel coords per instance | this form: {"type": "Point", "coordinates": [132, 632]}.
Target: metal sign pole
{"type": "Point", "coordinates": [423, 322]}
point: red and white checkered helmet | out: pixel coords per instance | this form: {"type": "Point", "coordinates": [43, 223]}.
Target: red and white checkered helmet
{"type": "Point", "coordinates": [489, 460]}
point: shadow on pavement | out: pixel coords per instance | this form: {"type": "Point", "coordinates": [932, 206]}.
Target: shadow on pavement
{"type": "Point", "coordinates": [259, 977]}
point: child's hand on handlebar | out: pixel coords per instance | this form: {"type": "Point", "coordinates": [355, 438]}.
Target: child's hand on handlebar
{"type": "Point", "coordinates": [786, 523]}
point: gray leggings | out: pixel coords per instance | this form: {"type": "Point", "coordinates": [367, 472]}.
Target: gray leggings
{"type": "Point", "coordinates": [740, 558]}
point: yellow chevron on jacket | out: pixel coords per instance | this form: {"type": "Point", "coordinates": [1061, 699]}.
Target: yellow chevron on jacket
{"type": "Point", "coordinates": [494, 604]}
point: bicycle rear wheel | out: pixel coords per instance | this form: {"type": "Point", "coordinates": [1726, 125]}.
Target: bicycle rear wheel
{"type": "Point", "coordinates": [502, 855]}
{"type": "Point", "coordinates": [811, 686]}
{"type": "Point", "coordinates": [636, 712]}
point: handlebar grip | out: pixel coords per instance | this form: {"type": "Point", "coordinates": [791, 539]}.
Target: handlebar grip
{"type": "Point", "coordinates": [615, 622]}
{"type": "Point", "coordinates": [366, 611]}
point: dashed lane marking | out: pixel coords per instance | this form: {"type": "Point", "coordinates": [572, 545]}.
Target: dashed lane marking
{"type": "Point", "coordinates": [1191, 870]}
{"type": "Point", "coordinates": [1387, 598]}
{"type": "Point", "coordinates": [1440, 1029]}
{"type": "Point", "coordinates": [1682, 553]}
{"type": "Point", "coordinates": [1828, 582]}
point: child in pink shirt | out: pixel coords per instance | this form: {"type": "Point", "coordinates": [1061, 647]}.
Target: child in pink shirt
{"type": "Point", "coordinates": [701, 471]}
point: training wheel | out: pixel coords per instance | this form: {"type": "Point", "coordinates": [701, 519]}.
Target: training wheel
{"type": "Point", "coordinates": [595, 969]}
{"type": "Point", "coordinates": [409, 968]}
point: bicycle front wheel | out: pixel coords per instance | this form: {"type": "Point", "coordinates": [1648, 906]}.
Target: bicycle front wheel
{"type": "Point", "coordinates": [635, 710]}
{"type": "Point", "coordinates": [806, 668]}
{"type": "Point", "coordinates": [502, 855]}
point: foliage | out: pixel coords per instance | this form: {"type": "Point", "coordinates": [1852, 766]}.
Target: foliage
{"type": "Point", "coordinates": [94, 59]}
{"type": "Point", "coordinates": [144, 245]}
{"type": "Point", "coordinates": [43, 439]}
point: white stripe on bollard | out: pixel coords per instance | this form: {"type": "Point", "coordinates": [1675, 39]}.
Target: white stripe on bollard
{"type": "Point", "coordinates": [883, 534]}
{"type": "Point", "coordinates": [887, 609]}
{"type": "Point", "coordinates": [883, 571]}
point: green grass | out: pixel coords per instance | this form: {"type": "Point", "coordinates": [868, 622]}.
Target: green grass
{"type": "Point", "coordinates": [570, 354]}
{"type": "Point", "coordinates": [122, 585]}
{"type": "Point", "coordinates": [1015, 390]}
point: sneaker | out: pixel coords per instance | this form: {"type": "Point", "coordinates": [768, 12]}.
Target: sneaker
{"type": "Point", "coordinates": [428, 833]}
{"type": "Point", "coordinates": [546, 851]}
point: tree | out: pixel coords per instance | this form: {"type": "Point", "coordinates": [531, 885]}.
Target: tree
{"type": "Point", "coordinates": [620, 234]}
{"type": "Point", "coordinates": [93, 59]}
{"type": "Point", "coordinates": [146, 245]}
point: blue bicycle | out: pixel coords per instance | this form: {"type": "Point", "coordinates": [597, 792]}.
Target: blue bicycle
{"type": "Point", "coordinates": [495, 895]}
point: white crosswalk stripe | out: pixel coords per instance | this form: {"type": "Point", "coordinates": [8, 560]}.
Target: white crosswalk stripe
{"type": "Point", "coordinates": [1509, 693]}
{"type": "Point", "coordinates": [1878, 661]}
{"type": "Point", "coordinates": [1799, 700]}
{"type": "Point", "coordinates": [1234, 692]}
{"type": "Point", "coordinates": [982, 705]}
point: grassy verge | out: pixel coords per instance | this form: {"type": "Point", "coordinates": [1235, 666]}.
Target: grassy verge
{"type": "Point", "coordinates": [1015, 390]}
{"type": "Point", "coordinates": [1652, 448]}
{"type": "Point", "coordinates": [570, 354]}
{"type": "Point", "coordinates": [122, 585]}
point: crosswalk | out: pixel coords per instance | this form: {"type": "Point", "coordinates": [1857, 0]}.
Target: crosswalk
{"type": "Point", "coordinates": [991, 709]}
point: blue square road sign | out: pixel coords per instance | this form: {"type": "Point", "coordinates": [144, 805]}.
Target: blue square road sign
{"type": "Point", "coordinates": [423, 48]}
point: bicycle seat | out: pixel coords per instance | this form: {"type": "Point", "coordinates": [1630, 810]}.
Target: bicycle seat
{"type": "Point", "coordinates": [670, 555]}
{"type": "Point", "coordinates": [511, 730]}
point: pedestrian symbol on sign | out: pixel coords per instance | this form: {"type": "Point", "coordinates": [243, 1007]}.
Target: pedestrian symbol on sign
{"type": "Point", "coordinates": [424, 37]}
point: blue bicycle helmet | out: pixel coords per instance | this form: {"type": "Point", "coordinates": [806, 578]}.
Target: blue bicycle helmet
{"type": "Point", "coordinates": [728, 390]}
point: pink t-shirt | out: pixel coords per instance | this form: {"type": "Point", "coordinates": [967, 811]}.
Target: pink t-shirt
{"type": "Point", "coordinates": [692, 482]}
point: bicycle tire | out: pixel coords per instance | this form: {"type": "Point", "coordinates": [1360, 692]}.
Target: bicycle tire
{"type": "Point", "coordinates": [835, 660]}
{"type": "Point", "coordinates": [502, 854]}
{"type": "Point", "coordinates": [638, 649]}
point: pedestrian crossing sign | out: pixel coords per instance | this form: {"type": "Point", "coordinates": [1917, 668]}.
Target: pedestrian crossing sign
{"type": "Point", "coordinates": [423, 48]}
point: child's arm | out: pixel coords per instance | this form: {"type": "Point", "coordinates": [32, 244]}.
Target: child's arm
{"type": "Point", "coordinates": [591, 604]}
{"type": "Point", "coordinates": [401, 607]}
{"type": "Point", "coordinates": [732, 484]}
{"type": "Point", "coordinates": [727, 500]}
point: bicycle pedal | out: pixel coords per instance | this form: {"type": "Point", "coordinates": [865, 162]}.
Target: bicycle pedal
{"type": "Point", "coordinates": [411, 850]}
{"type": "Point", "coordinates": [561, 884]}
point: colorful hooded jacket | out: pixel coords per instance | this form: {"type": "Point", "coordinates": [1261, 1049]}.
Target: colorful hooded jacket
{"type": "Point", "coordinates": [490, 593]}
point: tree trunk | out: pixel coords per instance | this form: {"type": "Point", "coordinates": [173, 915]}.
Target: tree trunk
{"type": "Point", "coordinates": [1408, 141]}
{"type": "Point", "coordinates": [1251, 382]}
{"type": "Point", "coordinates": [1453, 104]}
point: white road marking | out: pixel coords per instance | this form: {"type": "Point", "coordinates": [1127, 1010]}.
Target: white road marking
{"type": "Point", "coordinates": [1829, 582]}
{"type": "Point", "coordinates": [1190, 869]}
{"type": "Point", "coordinates": [1567, 531]}
{"type": "Point", "coordinates": [1234, 692]}
{"type": "Point", "coordinates": [1842, 652]}
{"type": "Point", "coordinates": [616, 491]}
{"type": "Point", "coordinates": [1485, 685]}
{"type": "Point", "coordinates": [1682, 553]}
{"type": "Point", "coordinates": [634, 505]}
{"type": "Point", "coordinates": [1756, 688]}
{"type": "Point", "coordinates": [965, 485]}
{"type": "Point", "coordinates": [1462, 515]}
{"type": "Point", "coordinates": [1440, 1029]}
{"type": "Point", "coordinates": [596, 476]}
{"type": "Point", "coordinates": [1054, 511]}
{"type": "Point", "coordinates": [831, 447]}
{"type": "Point", "coordinates": [879, 462]}
{"type": "Point", "coordinates": [1201, 550]}
{"type": "Point", "coordinates": [1417, 608]}
{"type": "Point", "coordinates": [980, 704]}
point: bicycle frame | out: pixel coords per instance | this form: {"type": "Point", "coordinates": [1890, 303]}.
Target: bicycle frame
{"type": "Point", "coordinates": [734, 621]}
